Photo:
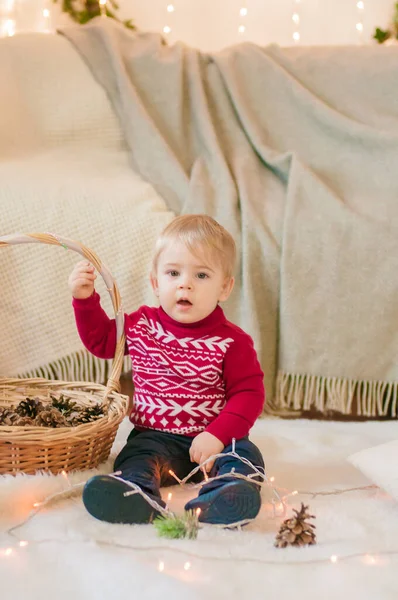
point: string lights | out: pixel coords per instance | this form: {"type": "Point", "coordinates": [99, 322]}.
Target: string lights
{"type": "Point", "coordinates": [378, 558]}
{"type": "Point", "coordinates": [359, 25]}
{"type": "Point", "coordinates": [367, 558]}
{"type": "Point", "coordinates": [258, 474]}
{"type": "Point", "coordinates": [7, 20]}
{"type": "Point", "coordinates": [102, 5]}
{"type": "Point", "coordinates": [170, 9]}
{"type": "Point", "coordinates": [296, 21]}
{"type": "Point", "coordinates": [46, 20]}
{"type": "Point", "coordinates": [242, 14]}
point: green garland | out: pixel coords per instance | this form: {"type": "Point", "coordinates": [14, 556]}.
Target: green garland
{"type": "Point", "coordinates": [381, 35]}
{"type": "Point", "coordinates": [91, 9]}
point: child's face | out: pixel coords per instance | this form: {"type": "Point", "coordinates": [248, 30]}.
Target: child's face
{"type": "Point", "coordinates": [189, 286]}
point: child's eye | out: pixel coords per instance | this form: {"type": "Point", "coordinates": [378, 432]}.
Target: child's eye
{"type": "Point", "coordinates": [202, 276]}
{"type": "Point", "coordinates": [173, 273]}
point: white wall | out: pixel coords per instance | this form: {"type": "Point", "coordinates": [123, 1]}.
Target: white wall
{"type": "Point", "coordinates": [213, 24]}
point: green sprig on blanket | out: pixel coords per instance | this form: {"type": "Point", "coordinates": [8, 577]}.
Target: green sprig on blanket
{"type": "Point", "coordinates": [175, 527]}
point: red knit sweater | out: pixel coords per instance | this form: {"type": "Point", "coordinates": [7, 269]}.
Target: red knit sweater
{"type": "Point", "coordinates": [188, 378]}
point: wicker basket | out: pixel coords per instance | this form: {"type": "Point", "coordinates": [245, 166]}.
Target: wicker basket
{"type": "Point", "coordinates": [28, 449]}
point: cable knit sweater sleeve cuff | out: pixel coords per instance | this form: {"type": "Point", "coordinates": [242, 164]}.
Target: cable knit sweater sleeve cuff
{"type": "Point", "coordinates": [227, 423]}
{"type": "Point", "coordinates": [90, 303]}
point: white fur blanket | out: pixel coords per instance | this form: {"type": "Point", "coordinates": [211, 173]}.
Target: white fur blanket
{"type": "Point", "coordinates": [67, 172]}
{"type": "Point", "coordinates": [77, 556]}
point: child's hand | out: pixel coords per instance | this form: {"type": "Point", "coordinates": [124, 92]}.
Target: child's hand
{"type": "Point", "coordinates": [81, 280]}
{"type": "Point", "coordinates": [204, 445]}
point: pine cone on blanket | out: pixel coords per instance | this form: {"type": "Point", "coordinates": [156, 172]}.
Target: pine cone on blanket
{"type": "Point", "coordinates": [65, 406]}
{"type": "Point", "coordinates": [50, 417]}
{"type": "Point", "coordinates": [8, 416]}
{"type": "Point", "coordinates": [91, 413]}
{"type": "Point", "coordinates": [30, 407]}
{"type": "Point", "coordinates": [296, 531]}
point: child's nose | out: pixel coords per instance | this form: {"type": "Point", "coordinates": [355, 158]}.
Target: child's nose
{"type": "Point", "coordinates": [185, 283]}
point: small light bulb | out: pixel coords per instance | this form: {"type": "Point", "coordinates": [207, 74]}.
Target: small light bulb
{"type": "Point", "coordinates": [46, 13]}
{"type": "Point", "coordinates": [8, 552]}
{"type": "Point", "coordinates": [296, 36]}
{"type": "Point", "coordinates": [360, 5]}
{"type": "Point", "coordinates": [243, 12]}
{"type": "Point", "coordinates": [166, 29]}
{"type": "Point", "coordinates": [187, 566]}
{"type": "Point", "coordinates": [295, 493]}
{"type": "Point", "coordinates": [272, 479]}
{"type": "Point", "coordinates": [161, 566]}
{"type": "Point", "coordinates": [359, 26]}
{"type": "Point", "coordinates": [333, 558]}
{"type": "Point", "coordinates": [22, 543]}
{"type": "Point", "coordinates": [169, 495]}
{"type": "Point", "coordinates": [9, 27]}
{"type": "Point", "coordinates": [296, 18]}
{"type": "Point", "coordinates": [242, 29]}
{"type": "Point", "coordinates": [170, 8]}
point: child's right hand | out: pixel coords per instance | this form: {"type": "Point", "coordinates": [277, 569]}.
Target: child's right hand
{"type": "Point", "coordinates": [81, 280]}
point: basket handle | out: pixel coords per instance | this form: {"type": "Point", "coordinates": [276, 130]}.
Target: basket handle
{"type": "Point", "coordinates": [57, 240]}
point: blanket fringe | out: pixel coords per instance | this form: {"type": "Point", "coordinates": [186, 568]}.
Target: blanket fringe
{"type": "Point", "coordinates": [297, 393]}
{"type": "Point", "coordinates": [79, 366]}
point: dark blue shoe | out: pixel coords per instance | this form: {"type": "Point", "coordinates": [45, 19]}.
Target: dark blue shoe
{"type": "Point", "coordinates": [104, 500]}
{"type": "Point", "coordinates": [230, 503]}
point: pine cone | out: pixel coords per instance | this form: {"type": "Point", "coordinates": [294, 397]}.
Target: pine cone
{"type": "Point", "coordinates": [50, 417]}
{"type": "Point", "coordinates": [64, 405]}
{"type": "Point", "coordinates": [91, 413]}
{"type": "Point", "coordinates": [296, 531]}
{"type": "Point", "coordinates": [8, 416]}
{"type": "Point", "coordinates": [30, 407]}
{"type": "Point", "coordinates": [23, 421]}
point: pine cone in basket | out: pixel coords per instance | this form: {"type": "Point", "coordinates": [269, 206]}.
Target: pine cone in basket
{"type": "Point", "coordinates": [50, 417]}
{"type": "Point", "coordinates": [296, 531]}
{"type": "Point", "coordinates": [23, 421]}
{"type": "Point", "coordinates": [65, 405]}
{"type": "Point", "coordinates": [30, 407]}
{"type": "Point", "coordinates": [91, 413]}
{"type": "Point", "coordinates": [8, 416]}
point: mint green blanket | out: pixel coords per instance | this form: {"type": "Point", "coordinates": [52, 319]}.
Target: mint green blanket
{"type": "Point", "coordinates": [295, 151]}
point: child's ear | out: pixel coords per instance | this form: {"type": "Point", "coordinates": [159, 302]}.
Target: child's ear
{"type": "Point", "coordinates": [154, 284]}
{"type": "Point", "coordinates": [227, 289]}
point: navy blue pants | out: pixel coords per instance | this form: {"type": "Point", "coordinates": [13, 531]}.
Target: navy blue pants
{"type": "Point", "coordinates": [148, 456]}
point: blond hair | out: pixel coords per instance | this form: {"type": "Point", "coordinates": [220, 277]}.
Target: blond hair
{"type": "Point", "coordinates": [200, 234]}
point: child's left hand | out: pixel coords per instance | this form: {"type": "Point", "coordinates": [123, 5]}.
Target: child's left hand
{"type": "Point", "coordinates": [204, 445]}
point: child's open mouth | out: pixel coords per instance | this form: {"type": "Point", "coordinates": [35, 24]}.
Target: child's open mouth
{"type": "Point", "coordinates": [184, 302]}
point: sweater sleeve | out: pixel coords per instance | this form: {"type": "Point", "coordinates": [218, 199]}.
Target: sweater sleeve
{"type": "Point", "coordinates": [96, 330]}
{"type": "Point", "coordinates": [245, 394]}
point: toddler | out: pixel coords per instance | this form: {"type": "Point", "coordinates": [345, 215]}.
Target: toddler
{"type": "Point", "coordinates": [197, 380]}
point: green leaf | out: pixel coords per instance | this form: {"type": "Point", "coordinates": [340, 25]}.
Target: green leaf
{"type": "Point", "coordinates": [88, 9]}
{"type": "Point", "coordinates": [380, 35]}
